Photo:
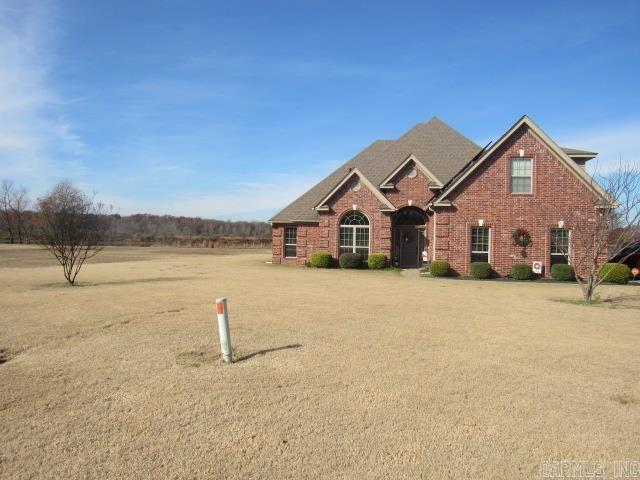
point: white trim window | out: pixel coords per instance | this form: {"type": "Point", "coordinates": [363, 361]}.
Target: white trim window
{"type": "Point", "coordinates": [291, 242]}
{"type": "Point", "coordinates": [354, 234]}
{"type": "Point", "coordinates": [480, 244]}
{"type": "Point", "coordinates": [521, 174]}
{"type": "Point", "coordinates": [560, 246]}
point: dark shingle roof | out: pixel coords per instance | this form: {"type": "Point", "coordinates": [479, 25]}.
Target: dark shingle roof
{"type": "Point", "coordinates": [441, 149]}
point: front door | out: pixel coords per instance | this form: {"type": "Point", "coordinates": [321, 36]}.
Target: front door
{"type": "Point", "coordinates": [410, 247]}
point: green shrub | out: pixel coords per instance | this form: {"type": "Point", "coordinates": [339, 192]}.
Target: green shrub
{"type": "Point", "coordinates": [321, 259]}
{"type": "Point", "coordinates": [481, 270]}
{"type": "Point", "coordinates": [563, 272]}
{"type": "Point", "coordinates": [440, 268]}
{"type": "Point", "coordinates": [521, 271]}
{"type": "Point", "coordinates": [614, 273]}
{"type": "Point", "coordinates": [377, 261]}
{"type": "Point", "coordinates": [350, 260]}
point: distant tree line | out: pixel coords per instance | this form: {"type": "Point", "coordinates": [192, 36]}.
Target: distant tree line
{"type": "Point", "coordinates": [19, 220]}
{"type": "Point", "coordinates": [166, 228]}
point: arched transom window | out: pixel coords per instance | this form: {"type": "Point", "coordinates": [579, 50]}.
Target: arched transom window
{"type": "Point", "coordinates": [354, 234]}
{"type": "Point", "coordinates": [409, 217]}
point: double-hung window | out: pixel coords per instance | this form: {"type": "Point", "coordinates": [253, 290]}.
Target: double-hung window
{"type": "Point", "coordinates": [290, 242]}
{"type": "Point", "coordinates": [480, 240]}
{"type": "Point", "coordinates": [521, 175]}
{"type": "Point", "coordinates": [559, 246]}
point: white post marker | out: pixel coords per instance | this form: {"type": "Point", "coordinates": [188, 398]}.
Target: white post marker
{"type": "Point", "coordinates": [223, 328]}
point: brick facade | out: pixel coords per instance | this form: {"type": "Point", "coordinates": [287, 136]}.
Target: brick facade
{"type": "Point", "coordinates": [308, 242]}
{"type": "Point", "coordinates": [326, 234]}
{"type": "Point", "coordinates": [557, 194]}
{"type": "Point", "coordinates": [408, 189]}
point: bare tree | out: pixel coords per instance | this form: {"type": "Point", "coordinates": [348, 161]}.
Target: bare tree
{"type": "Point", "coordinates": [72, 226]}
{"type": "Point", "coordinates": [6, 212]}
{"type": "Point", "coordinates": [19, 206]}
{"type": "Point", "coordinates": [609, 230]}
{"type": "Point", "coordinates": [14, 205]}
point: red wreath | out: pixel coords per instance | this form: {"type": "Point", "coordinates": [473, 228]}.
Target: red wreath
{"type": "Point", "coordinates": [521, 237]}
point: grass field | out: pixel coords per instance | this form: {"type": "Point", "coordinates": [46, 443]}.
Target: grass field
{"type": "Point", "coordinates": [342, 374]}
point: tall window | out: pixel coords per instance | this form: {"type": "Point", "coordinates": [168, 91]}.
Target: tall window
{"type": "Point", "coordinates": [354, 234]}
{"type": "Point", "coordinates": [291, 242]}
{"type": "Point", "coordinates": [521, 175]}
{"type": "Point", "coordinates": [559, 246]}
{"type": "Point", "coordinates": [479, 244]}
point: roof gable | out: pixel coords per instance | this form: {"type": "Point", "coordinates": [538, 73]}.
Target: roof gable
{"type": "Point", "coordinates": [553, 147]}
{"type": "Point", "coordinates": [433, 183]}
{"type": "Point", "coordinates": [302, 209]}
{"type": "Point", "coordinates": [322, 204]}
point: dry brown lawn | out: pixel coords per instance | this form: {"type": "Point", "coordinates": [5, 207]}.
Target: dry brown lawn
{"type": "Point", "coordinates": [342, 374]}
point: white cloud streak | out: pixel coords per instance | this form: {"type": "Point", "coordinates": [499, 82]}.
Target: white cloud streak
{"type": "Point", "coordinates": [34, 134]}
{"type": "Point", "coordinates": [612, 142]}
{"type": "Point", "coordinates": [256, 200]}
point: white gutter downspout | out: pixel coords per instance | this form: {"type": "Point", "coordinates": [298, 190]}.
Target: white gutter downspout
{"type": "Point", "coordinates": [435, 221]}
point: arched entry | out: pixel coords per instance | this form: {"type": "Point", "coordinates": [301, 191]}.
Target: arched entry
{"type": "Point", "coordinates": [409, 237]}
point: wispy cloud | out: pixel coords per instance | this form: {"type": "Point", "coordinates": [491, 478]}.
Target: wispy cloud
{"type": "Point", "coordinates": [34, 134]}
{"type": "Point", "coordinates": [258, 199]}
{"type": "Point", "coordinates": [613, 142]}
{"type": "Point", "coordinates": [173, 168]}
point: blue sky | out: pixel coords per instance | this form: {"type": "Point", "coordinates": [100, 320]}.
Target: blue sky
{"type": "Point", "coordinates": [231, 109]}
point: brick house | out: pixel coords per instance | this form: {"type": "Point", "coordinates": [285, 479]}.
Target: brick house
{"type": "Point", "coordinates": [433, 194]}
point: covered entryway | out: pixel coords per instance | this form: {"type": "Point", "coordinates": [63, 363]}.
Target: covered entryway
{"type": "Point", "coordinates": [409, 237]}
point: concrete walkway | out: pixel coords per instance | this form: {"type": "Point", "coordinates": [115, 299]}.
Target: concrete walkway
{"type": "Point", "coordinates": [410, 273]}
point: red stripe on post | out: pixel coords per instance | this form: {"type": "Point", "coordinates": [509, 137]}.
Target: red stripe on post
{"type": "Point", "coordinates": [220, 308]}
